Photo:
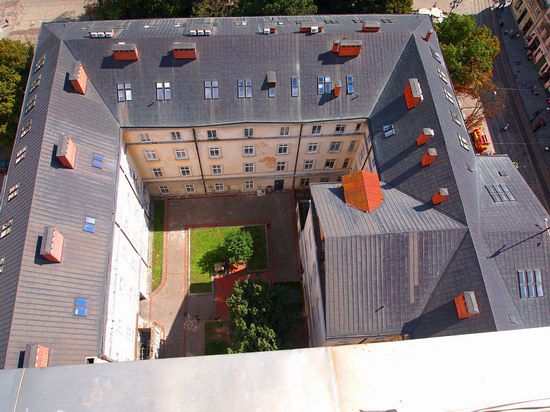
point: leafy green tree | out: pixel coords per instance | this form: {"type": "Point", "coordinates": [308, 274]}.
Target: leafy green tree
{"type": "Point", "coordinates": [275, 7]}
{"type": "Point", "coordinates": [469, 52]}
{"type": "Point", "coordinates": [366, 6]}
{"type": "Point", "coordinates": [137, 9]}
{"type": "Point", "coordinates": [238, 246]}
{"type": "Point", "coordinates": [214, 8]}
{"type": "Point", "coordinates": [259, 316]}
{"type": "Point", "coordinates": [15, 60]}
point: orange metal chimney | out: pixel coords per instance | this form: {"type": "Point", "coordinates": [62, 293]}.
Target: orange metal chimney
{"type": "Point", "coordinates": [66, 152]}
{"type": "Point", "coordinates": [466, 305]}
{"type": "Point", "coordinates": [52, 245]}
{"type": "Point", "coordinates": [78, 78]}
{"type": "Point", "coordinates": [337, 88]}
{"type": "Point", "coordinates": [413, 94]}
{"type": "Point", "coordinates": [428, 35]}
{"type": "Point", "coordinates": [440, 196]}
{"type": "Point", "coordinates": [429, 157]}
{"type": "Point", "coordinates": [424, 136]}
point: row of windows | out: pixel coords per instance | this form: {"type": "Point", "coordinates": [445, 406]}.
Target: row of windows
{"type": "Point", "coordinates": [250, 150]}
{"type": "Point", "coordinates": [280, 166]}
{"type": "Point", "coordinates": [248, 132]}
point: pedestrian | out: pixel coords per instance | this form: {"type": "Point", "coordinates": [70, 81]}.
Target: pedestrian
{"type": "Point", "coordinates": [537, 93]}
{"type": "Point", "coordinates": [517, 35]}
{"type": "Point", "coordinates": [524, 83]}
{"type": "Point", "coordinates": [501, 24]}
{"type": "Point", "coordinates": [505, 32]}
{"type": "Point", "coordinates": [505, 127]}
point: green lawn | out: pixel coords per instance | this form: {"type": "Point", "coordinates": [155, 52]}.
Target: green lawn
{"type": "Point", "coordinates": [216, 338]}
{"type": "Point", "coordinates": [206, 249]}
{"type": "Point", "coordinates": [158, 238]}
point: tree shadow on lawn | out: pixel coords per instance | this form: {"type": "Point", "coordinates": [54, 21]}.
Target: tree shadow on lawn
{"type": "Point", "coordinates": [259, 260]}
{"type": "Point", "coordinates": [207, 261]}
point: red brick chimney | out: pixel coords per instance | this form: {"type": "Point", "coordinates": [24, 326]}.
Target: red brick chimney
{"type": "Point", "coordinates": [428, 35]}
{"type": "Point", "coordinates": [429, 157]}
{"type": "Point", "coordinates": [440, 196]}
{"type": "Point", "coordinates": [66, 152]}
{"type": "Point", "coordinates": [78, 78]}
{"type": "Point", "coordinates": [52, 245]}
{"type": "Point", "coordinates": [413, 94]}
{"type": "Point", "coordinates": [466, 305]}
{"type": "Point", "coordinates": [370, 26]}
{"type": "Point", "coordinates": [347, 48]}
{"type": "Point", "coordinates": [424, 136]}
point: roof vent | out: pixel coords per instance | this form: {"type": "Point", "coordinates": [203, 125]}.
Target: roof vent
{"type": "Point", "coordinates": [123, 51]}
{"type": "Point", "coordinates": [36, 356]}
{"type": "Point", "coordinates": [347, 48]}
{"type": "Point", "coordinates": [101, 31]}
{"type": "Point", "coordinates": [78, 78]}
{"type": "Point", "coordinates": [413, 93]}
{"type": "Point", "coordinates": [370, 27]}
{"type": "Point", "coordinates": [66, 152]}
{"type": "Point", "coordinates": [466, 305]}
{"type": "Point", "coordinates": [270, 29]}
{"type": "Point", "coordinates": [440, 196]}
{"type": "Point", "coordinates": [201, 30]}
{"type": "Point", "coordinates": [428, 35]}
{"type": "Point", "coordinates": [362, 190]}
{"type": "Point", "coordinates": [184, 50]}
{"type": "Point", "coordinates": [337, 88]}
{"type": "Point", "coordinates": [424, 136]}
{"type": "Point", "coordinates": [52, 245]}
{"type": "Point", "coordinates": [429, 157]}
{"type": "Point", "coordinates": [311, 27]}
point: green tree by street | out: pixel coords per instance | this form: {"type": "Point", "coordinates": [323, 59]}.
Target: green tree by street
{"type": "Point", "coordinates": [275, 7]}
{"type": "Point", "coordinates": [238, 247]}
{"type": "Point", "coordinates": [15, 60]}
{"type": "Point", "coordinates": [469, 52]}
{"type": "Point", "coordinates": [260, 319]}
{"type": "Point", "coordinates": [138, 9]}
{"type": "Point", "coordinates": [211, 8]}
{"type": "Point", "coordinates": [365, 6]}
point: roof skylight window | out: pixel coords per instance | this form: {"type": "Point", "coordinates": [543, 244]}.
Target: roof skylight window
{"type": "Point", "coordinates": [26, 128]}
{"type": "Point", "coordinates": [442, 75]}
{"type": "Point", "coordinates": [80, 307]}
{"type": "Point", "coordinates": [124, 92]}
{"type": "Point", "coordinates": [97, 160]}
{"type": "Point", "coordinates": [500, 193]}
{"type": "Point", "coordinates": [294, 86]}
{"type": "Point", "coordinates": [436, 56]}
{"type": "Point", "coordinates": [89, 224]}
{"type": "Point", "coordinates": [6, 228]}
{"type": "Point", "coordinates": [12, 192]}
{"type": "Point", "coordinates": [211, 89]}
{"type": "Point", "coordinates": [30, 104]}
{"type": "Point", "coordinates": [36, 82]}
{"type": "Point", "coordinates": [163, 91]}
{"type": "Point", "coordinates": [530, 284]}
{"type": "Point", "coordinates": [349, 84]}
{"type": "Point", "coordinates": [456, 119]}
{"type": "Point", "coordinates": [248, 88]}
{"type": "Point", "coordinates": [463, 142]}
{"type": "Point", "coordinates": [448, 96]}
{"type": "Point", "coordinates": [39, 63]}
{"type": "Point", "coordinates": [21, 154]}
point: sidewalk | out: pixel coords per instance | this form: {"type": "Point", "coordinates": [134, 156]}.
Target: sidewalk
{"type": "Point", "coordinates": [526, 77]}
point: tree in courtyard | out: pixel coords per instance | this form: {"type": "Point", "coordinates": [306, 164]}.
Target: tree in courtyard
{"type": "Point", "coordinates": [238, 246]}
{"type": "Point", "coordinates": [15, 60]}
{"type": "Point", "coordinates": [214, 8]}
{"type": "Point", "coordinates": [469, 52]}
{"type": "Point", "coordinates": [366, 6]}
{"type": "Point", "coordinates": [260, 316]}
{"type": "Point", "coordinates": [275, 7]}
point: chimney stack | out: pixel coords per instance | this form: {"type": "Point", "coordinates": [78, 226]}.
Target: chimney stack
{"type": "Point", "coordinates": [466, 305]}
{"type": "Point", "coordinates": [66, 152]}
{"type": "Point", "coordinates": [413, 94]}
{"type": "Point", "coordinates": [52, 245]}
{"type": "Point", "coordinates": [36, 356]}
{"type": "Point", "coordinates": [370, 26]}
{"type": "Point", "coordinates": [440, 196]}
{"type": "Point", "coordinates": [429, 157]}
{"type": "Point", "coordinates": [184, 50]}
{"type": "Point", "coordinates": [347, 48]}
{"type": "Point", "coordinates": [78, 78]}
{"type": "Point", "coordinates": [424, 136]}
{"type": "Point", "coordinates": [123, 51]}
{"type": "Point", "coordinates": [428, 35]}
{"type": "Point", "coordinates": [337, 88]}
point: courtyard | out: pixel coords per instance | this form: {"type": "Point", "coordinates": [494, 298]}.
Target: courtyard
{"type": "Point", "coordinates": [203, 222]}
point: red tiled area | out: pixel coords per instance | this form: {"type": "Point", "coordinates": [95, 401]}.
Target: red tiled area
{"type": "Point", "coordinates": [224, 285]}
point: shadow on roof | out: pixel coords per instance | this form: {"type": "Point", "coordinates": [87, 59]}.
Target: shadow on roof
{"type": "Point", "coordinates": [109, 62]}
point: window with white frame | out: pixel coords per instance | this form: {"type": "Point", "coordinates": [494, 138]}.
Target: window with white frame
{"type": "Point", "coordinates": [244, 89]}
{"type": "Point", "coordinates": [340, 128]}
{"type": "Point", "coordinates": [211, 134]}
{"type": "Point", "coordinates": [312, 147]}
{"type": "Point", "coordinates": [309, 164]}
{"type": "Point", "coordinates": [214, 152]}
{"type": "Point", "coordinates": [219, 187]}
{"type": "Point", "coordinates": [281, 166]}
{"type": "Point", "coordinates": [12, 192]}
{"type": "Point", "coordinates": [455, 117]}
{"type": "Point", "coordinates": [248, 132]}
{"type": "Point", "coordinates": [124, 92]}
{"type": "Point", "coordinates": [6, 228]}
{"type": "Point", "coordinates": [31, 103]}
{"type": "Point", "coordinates": [164, 190]}
{"type": "Point", "coordinates": [449, 96]}
{"type": "Point", "coordinates": [335, 147]}
{"type": "Point", "coordinates": [282, 149]}
{"type": "Point", "coordinates": [329, 163]}
{"type": "Point", "coordinates": [349, 84]}
{"type": "Point", "coordinates": [442, 75]}
{"type": "Point", "coordinates": [294, 86]}
{"type": "Point", "coordinates": [249, 167]}
{"type": "Point", "coordinates": [190, 188]}
{"type": "Point", "coordinates": [249, 150]}
{"type": "Point", "coordinates": [324, 85]}
{"type": "Point", "coordinates": [157, 172]}
{"type": "Point", "coordinates": [163, 91]}
{"type": "Point", "coordinates": [176, 136]}
{"type": "Point", "coordinates": [144, 137]}
{"type": "Point", "coordinates": [530, 284]}
{"type": "Point", "coordinates": [285, 131]}
{"type": "Point", "coordinates": [151, 155]}
{"type": "Point", "coordinates": [26, 128]}
{"type": "Point", "coordinates": [185, 170]}
{"type": "Point", "coordinates": [463, 142]}
{"type": "Point", "coordinates": [216, 169]}
{"type": "Point", "coordinates": [249, 185]}
{"type": "Point", "coordinates": [352, 146]}
{"type": "Point", "coordinates": [211, 89]}
{"type": "Point", "coordinates": [20, 155]}
{"type": "Point", "coordinates": [316, 129]}
{"type": "Point", "coordinates": [181, 154]}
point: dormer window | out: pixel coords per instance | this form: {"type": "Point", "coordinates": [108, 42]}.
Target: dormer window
{"type": "Point", "coordinates": [39, 63]}
{"type": "Point", "coordinates": [26, 128]}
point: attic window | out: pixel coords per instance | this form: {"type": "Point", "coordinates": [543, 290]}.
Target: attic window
{"type": "Point", "coordinates": [13, 191]}
{"type": "Point", "coordinates": [386, 20]}
{"type": "Point", "coordinates": [145, 137]}
{"type": "Point", "coordinates": [530, 284]}
{"type": "Point", "coordinates": [164, 190]}
{"type": "Point", "coordinates": [80, 307]}
{"type": "Point", "coordinates": [39, 63]}
{"type": "Point", "coordinates": [20, 155]}
{"type": "Point", "coordinates": [124, 92]}
{"type": "Point", "coordinates": [500, 193]}
{"type": "Point", "coordinates": [163, 91]}
{"type": "Point", "coordinates": [97, 161]}
{"type": "Point", "coordinates": [388, 130]}
{"type": "Point", "coordinates": [455, 117]}
{"type": "Point", "coordinates": [211, 89]}
{"type": "Point", "coordinates": [463, 142]}
{"type": "Point", "coordinates": [316, 129]}
{"type": "Point", "coordinates": [340, 128]}
{"type": "Point", "coordinates": [6, 228]}
{"type": "Point", "coordinates": [349, 84]}
{"type": "Point", "coordinates": [35, 82]}
{"type": "Point", "coordinates": [89, 224]}
{"type": "Point", "coordinates": [26, 128]}
{"type": "Point", "coordinates": [2, 260]}
{"type": "Point", "coordinates": [294, 86]}
{"type": "Point", "coordinates": [30, 104]}
{"type": "Point", "coordinates": [248, 132]}
{"type": "Point", "coordinates": [244, 88]}
{"type": "Point", "coordinates": [324, 85]}
{"type": "Point", "coordinates": [436, 56]}
{"type": "Point", "coordinates": [442, 75]}
{"type": "Point", "coordinates": [176, 136]}
{"type": "Point", "coordinates": [211, 134]}
{"type": "Point", "coordinates": [448, 96]}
